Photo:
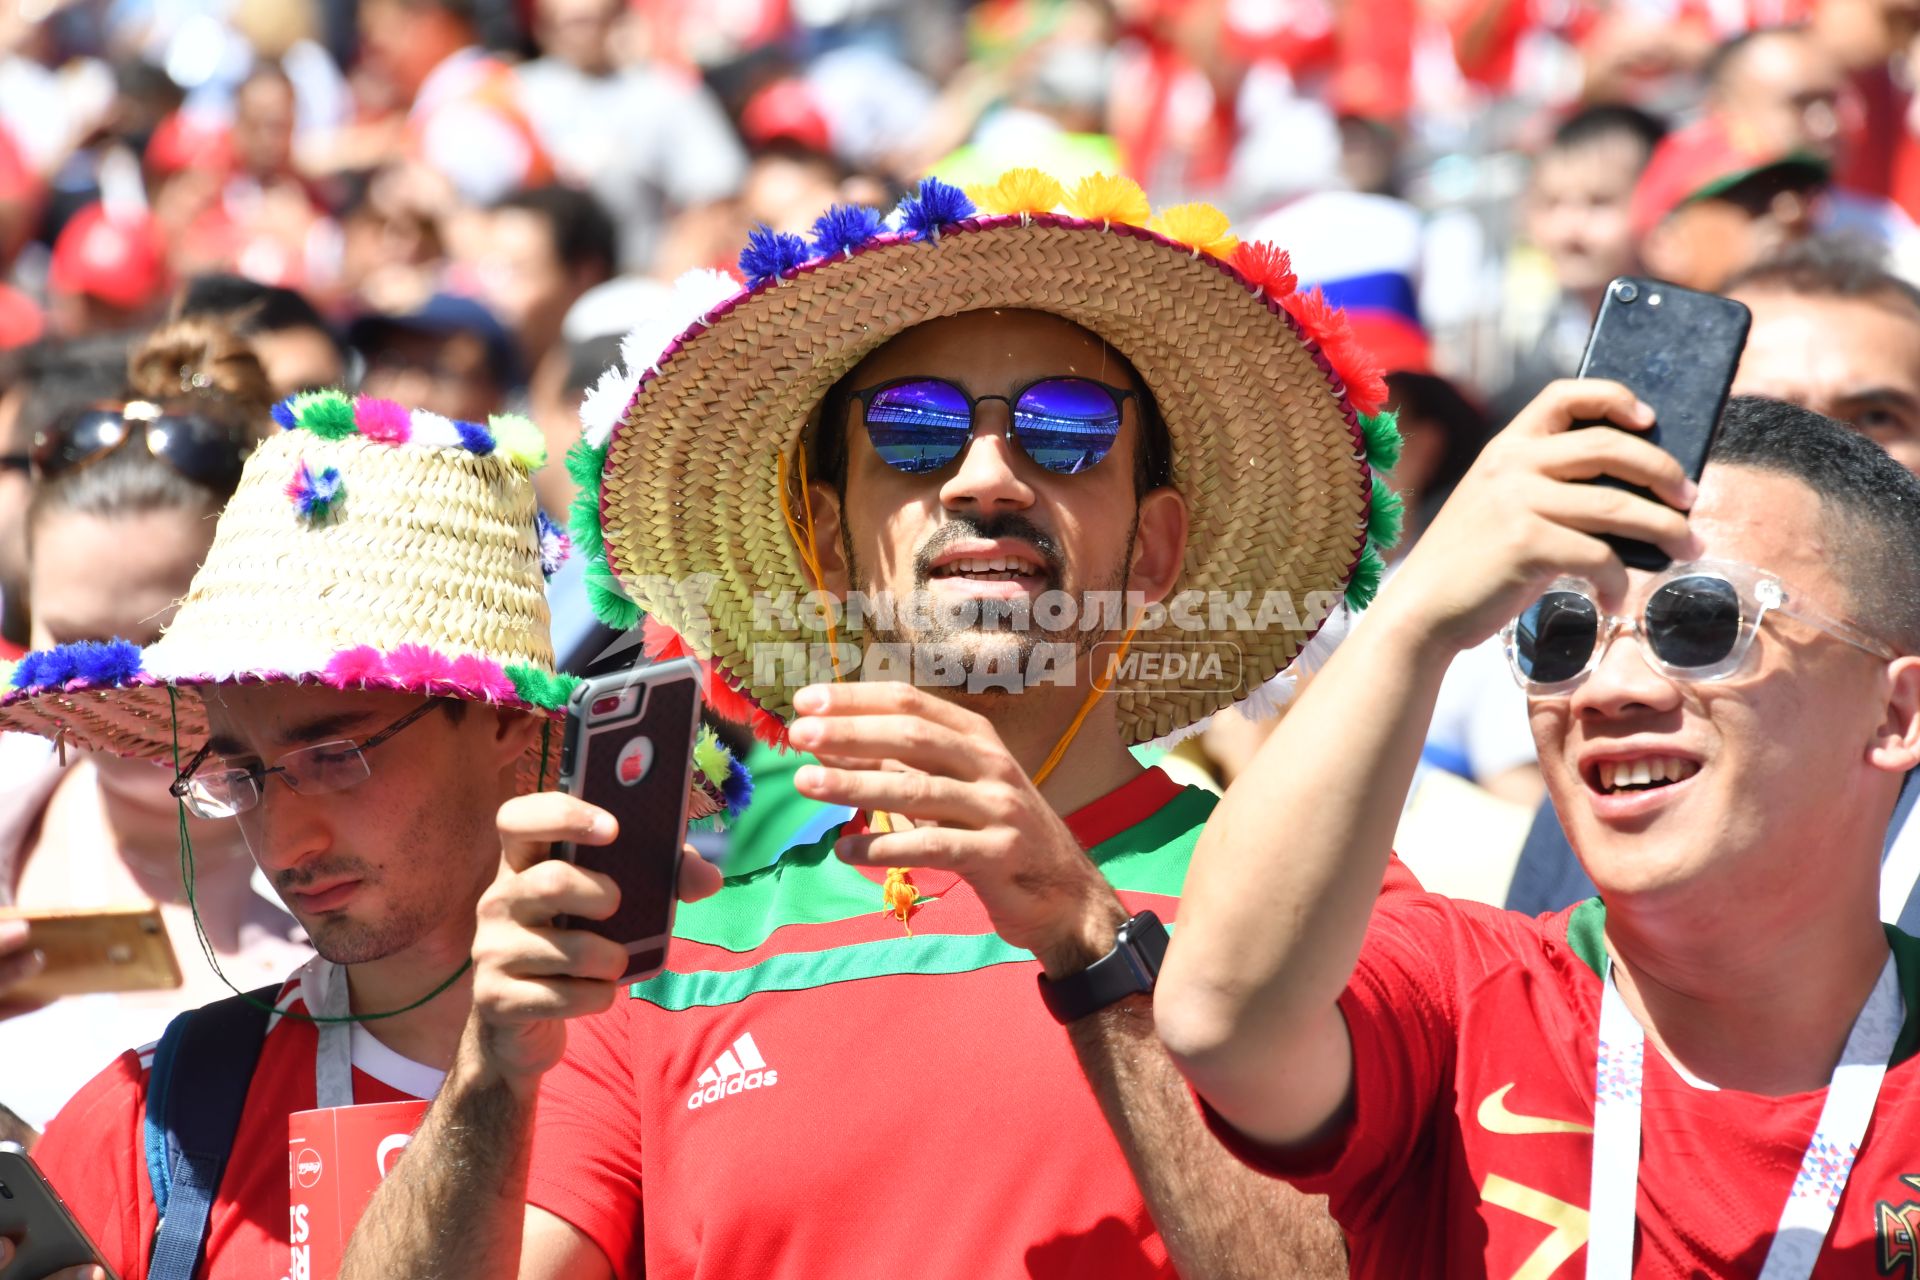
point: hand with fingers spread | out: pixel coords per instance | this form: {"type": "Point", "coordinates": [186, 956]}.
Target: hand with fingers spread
{"type": "Point", "coordinates": [889, 747]}
{"type": "Point", "coordinates": [1522, 515]}
{"type": "Point", "coordinates": [530, 976]}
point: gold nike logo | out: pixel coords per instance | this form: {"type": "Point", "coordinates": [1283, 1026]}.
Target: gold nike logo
{"type": "Point", "coordinates": [1495, 1118]}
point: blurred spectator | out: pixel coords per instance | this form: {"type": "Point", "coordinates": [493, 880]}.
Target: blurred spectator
{"type": "Point", "coordinates": [449, 356]}
{"type": "Point", "coordinates": [109, 274]}
{"type": "Point", "coordinates": [1714, 200]}
{"type": "Point", "coordinates": [464, 118]}
{"type": "Point", "coordinates": [46, 381]}
{"type": "Point", "coordinates": [1835, 332]}
{"type": "Point", "coordinates": [293, 342]}
{"type": "Point", "coordinates": [544, 248]}
{"type": "Point", "coordinates": [649, 140]}
{"type": "Point", "coordinates": [121, 518]}
{"type": "Point", "coordinates": [554, 398]}
{"type": "Point", "coordinates": [1575, 215]}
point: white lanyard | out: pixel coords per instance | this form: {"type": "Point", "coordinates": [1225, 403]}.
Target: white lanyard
{"type": "Point", "coordinates": [1824, 1168]}
{"type": "Point", "coordinates": [324, 990]}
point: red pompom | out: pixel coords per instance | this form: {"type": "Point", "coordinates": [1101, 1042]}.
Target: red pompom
{"type": "Point", "coordinates": [1266, 267]}
{"type": "Point", "coordinates": [663, 644]}
{"type": "Point", "coordinates": [1327, 327]}
{"type": "Point", "coordinates": [352, 668]}
{"type": "Point", "coordinates": [660, 642]}
{"type": "Point", "coordinates": [420, 669]}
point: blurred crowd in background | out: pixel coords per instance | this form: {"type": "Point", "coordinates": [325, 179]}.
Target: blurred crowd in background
{"type": "Point", "coordinates": [463, 204]}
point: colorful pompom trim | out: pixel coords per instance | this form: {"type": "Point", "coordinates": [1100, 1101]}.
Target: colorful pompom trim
{"type": "Point", "coordinates": [727, 700]}
{"type": "Point", "coordinates": [1020, 191]}
{"type": "Point", "coordinates": [1381, 431]}
{"type": "Point", "coordinates": [1385, 516]}
{"type": "Point", "coordinates": [1365, 583]}
{"type": "Point", "coordinates": [1267, 268]}
{"type": "Point", "coordinates": [84, 663]}
{"type": "Point", "coordinates": [540, 688]}
{"type": "Point", "coordinates": [1200, 227]}
{"type": "Point", "coordinates": [1107, 199]}
{"type": "Point", "coordinates": [1327, 326]}
{"type": "Point", "coordinates": [330, 415]}
{"type": "Point", "coordinates": [937, 206]}
{"type": "Point", "coordinates": [555, 545]}
{"type": "Point", "coordinates": [315, 495]}
{"type": "Point", "coordinates": [419, 669]}
{"type": "Point", "coordinates": [770, 255]}
{"type": "Point", "coordinates": [844, 228]}
{"type": "Point", "coordinates": [722, 787]}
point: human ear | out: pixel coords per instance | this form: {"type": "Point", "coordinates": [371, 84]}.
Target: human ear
{"type": "Point", "coordinates": [1896, 741]}
{"type": "Point", "coordinates": [828, 540]}
{"type": "Point", "coordinates": [1159, 544]}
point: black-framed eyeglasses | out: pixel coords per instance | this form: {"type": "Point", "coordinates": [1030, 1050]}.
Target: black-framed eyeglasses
{"type": "Point", "coordinates": [198, 447]}
{"type": "Point", "coordinates": [1698, 624]}
{"type": "Point", "coordinates": [921, 425]}
{"type": "Point", "coordinates": [212, 788]}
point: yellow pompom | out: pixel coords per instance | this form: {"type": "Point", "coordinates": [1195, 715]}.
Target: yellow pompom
{"type": "Point", "coordinates": [1019, 191]}
{"type": "Point", "coordinates": [1103, 197]}
{"type": "Point", "coordinates": [1198, 226]}
{"type": "Point", "coordinates": [900, 895]}
{"type": "Point", "coordinates": [519, 439]}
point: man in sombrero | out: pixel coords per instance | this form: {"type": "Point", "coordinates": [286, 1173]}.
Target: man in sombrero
{"type": "Point", "coordinates": [924, 1044]}
{"type": "Point", "coordinates": [359, 677]}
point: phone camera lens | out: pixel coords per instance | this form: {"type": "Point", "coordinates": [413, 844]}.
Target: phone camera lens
{"type": "Point", "coordinates": [606, 706]}
{"type": "Point", "coordinates": [1626, 291]}
{"type": "Point", "coordinates": [5, 1194]}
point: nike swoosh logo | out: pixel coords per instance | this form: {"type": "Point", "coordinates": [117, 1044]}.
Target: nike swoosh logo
{"type": "Point", "coordinates": [1495, 1118]}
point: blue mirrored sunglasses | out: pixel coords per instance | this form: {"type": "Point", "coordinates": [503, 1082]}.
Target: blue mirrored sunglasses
{"type": "Point", "coordinates": [922, 425]}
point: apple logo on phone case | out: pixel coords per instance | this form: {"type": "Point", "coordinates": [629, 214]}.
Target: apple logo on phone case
{"type": "Point", "coordinates": [635, 759]}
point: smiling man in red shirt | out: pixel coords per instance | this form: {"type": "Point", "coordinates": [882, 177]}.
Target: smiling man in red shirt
{"type": "Point", "coordinates": [1639, 1084]}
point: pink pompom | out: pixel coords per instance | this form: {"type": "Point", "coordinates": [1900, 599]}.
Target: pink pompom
{"type": "Point", "coordinates": [416, 667]}
{"type": "Point", "coordinates": [355, 667]}
{"type": "Point", "coordinates": [382, 420]}
{"type": "Point", "coordinates": [481, 678]}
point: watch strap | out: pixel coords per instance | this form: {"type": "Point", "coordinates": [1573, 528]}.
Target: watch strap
{"type": "Point", "coordinates": [1131, 968]}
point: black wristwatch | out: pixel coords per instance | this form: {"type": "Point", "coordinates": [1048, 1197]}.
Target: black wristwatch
{"type": "Point", "coordinates": [1131, 968]}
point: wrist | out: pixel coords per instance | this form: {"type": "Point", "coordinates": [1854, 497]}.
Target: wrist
{"type": "Point", "coordinates": [1087, 937]}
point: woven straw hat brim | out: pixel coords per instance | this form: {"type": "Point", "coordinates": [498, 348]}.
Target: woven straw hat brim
{"type": "Point", "coordinates": [429, 556]}
{"type": "Point", "coordinates": [1265, 449]}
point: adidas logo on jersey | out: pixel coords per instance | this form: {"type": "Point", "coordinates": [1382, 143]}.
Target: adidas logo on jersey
{"type": "Point", "coordinates": [735, 1071]}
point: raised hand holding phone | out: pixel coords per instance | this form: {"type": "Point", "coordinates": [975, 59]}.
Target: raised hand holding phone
{"type": "Point", "coordinates": [39, 1237]}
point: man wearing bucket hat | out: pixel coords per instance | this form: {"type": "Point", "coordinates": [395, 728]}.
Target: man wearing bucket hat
{"type": "Point", "coordinates": [359, 677]}
{"type": "Point", "coordinates": [847, 1068]}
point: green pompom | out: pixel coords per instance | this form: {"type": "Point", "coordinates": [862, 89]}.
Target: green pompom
{"type": "Point", "coordinates": [1366, 578]}
{"type": "Point", "coordinates": [584, 464]}
{"type": "Point", "coordinates": [549, 689]}
{"type": "Point", "coordinates": [328, 414]}
{"type": "Point", "coordinates": [1382, 433]}
{"type": "Point", "coordinates": [610, 604]}
{"type": "Point", "coordinates": [1386, 516]}
{"type": "Point", "coordinates": [713, 759]}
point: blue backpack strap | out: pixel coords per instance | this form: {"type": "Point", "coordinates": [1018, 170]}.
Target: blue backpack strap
{"type": "Point", "coordinates": [189, 1130]}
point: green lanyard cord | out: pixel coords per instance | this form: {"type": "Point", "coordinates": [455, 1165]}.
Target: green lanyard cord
{"type": "Point", "coordinates": [200, 929]}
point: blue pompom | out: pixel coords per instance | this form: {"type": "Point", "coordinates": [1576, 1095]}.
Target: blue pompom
{"type": "Point", "coordinates": [844, 228]}
{"type": "Point", "coordinates": [283, 414]}
{"type": "Point", "coordinates": [26, 672]}
{"type": "Point", "coordinates": [738, 788]}
{"type": "Point", "coordinates": [56, 667]}
{"type": "Point", "coordinates": [938, 206]}
{"type": "Point", "coordinates": [474, 437]}
{"type": "Point", "coordinates": [770, 255]}
{"type": "Point", "coordinates": [105, 661]}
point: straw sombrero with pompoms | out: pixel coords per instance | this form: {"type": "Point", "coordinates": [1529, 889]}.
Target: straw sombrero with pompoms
{"type": "Point", "coordinates": [1274, 412]}
{"type": "Point", "coordinates": [368, 546]}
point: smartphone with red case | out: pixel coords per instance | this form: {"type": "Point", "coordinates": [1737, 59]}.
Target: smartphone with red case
{"type": "Point", "coordinates": [628, 748]}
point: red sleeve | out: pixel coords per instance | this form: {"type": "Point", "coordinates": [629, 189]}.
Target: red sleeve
{"type": "Point", "coordinates": [586, 1140]}
{"type": "Point", "coordinates": [94, 1154]}
{"type": "Point", "coordinates": [1401, 1009]}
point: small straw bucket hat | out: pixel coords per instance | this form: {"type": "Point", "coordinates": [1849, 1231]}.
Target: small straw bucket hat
{"type": "Point", "coordinates": [1274, 412]}
{"type": "Point", "coordinates": [367, 547]}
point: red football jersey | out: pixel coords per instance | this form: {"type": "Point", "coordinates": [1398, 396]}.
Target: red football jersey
{"type": "Point", "coordinates": [94, 1151]}
{"type": "Point", "coordinates": [1470, 1145]}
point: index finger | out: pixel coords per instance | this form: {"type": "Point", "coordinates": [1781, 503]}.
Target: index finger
{"type": "Point", "coordinates": [531, 825]}
{"type": "Point", "coordinates": [1573, 400]}
{"type": "Point", "coordinates": [880, 697]}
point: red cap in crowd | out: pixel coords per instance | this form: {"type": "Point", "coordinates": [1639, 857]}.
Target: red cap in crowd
{"type": "Point", "coordinates": [117, 260]}
{"type": "Point", "coordinates": [1704, 160]}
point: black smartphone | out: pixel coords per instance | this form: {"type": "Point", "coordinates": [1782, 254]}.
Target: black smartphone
{"type": "Point", "coordinates": [1677, 349]}
{"type": "Point", "coordinates": [628, 748]}
{"type": "Point", "coordinates": [45, 1234]}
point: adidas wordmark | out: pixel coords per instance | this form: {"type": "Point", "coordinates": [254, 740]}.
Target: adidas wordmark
{"type": "Point", "coordinates": [734, 1071]}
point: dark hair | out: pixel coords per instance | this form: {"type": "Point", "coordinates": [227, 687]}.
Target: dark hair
{"type": "Point", "coordinates": [1828, 267]}
{"type": "Point", "coordinates": [826, 438]}
{"type": "Point", "coordinates": [581, 228]}
{"type": "Point", "coordinates": [1591, 124]}
{"type": "Point", "coordinates": [1432, 398]}
{"type": "Point", "coordinates": [57, 376]}
{"type": "Point", "coordinates": [248, 307]}
{"type": "Point", "coordinates": [1870, 502]}
{"type": "Point", "coordinates": [196, 364]}
{"type": "Point", "coordinates": [588, 359]}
